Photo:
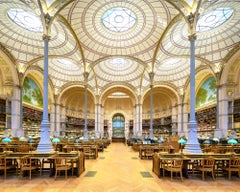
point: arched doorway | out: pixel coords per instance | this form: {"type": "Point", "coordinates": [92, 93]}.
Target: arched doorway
{"type": "Point", "coordinates": [118, 127]}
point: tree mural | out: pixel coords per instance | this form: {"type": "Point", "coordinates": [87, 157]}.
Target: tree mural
{"type": "Point", "coordinates": [207, 93]}
{"type": "Point", "coordinates": [32, 93]}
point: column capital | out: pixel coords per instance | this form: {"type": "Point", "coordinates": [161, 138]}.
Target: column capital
{"type": "Point", "coordinates": [85, 75]}
{"type": "Point", "coordinates": [46, 37]}
{"type": "Point", "coordinates": [192, 37]}
{"type": "Point", "coordinates": [151, 76]}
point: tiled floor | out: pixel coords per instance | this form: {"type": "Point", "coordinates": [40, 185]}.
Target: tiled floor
{"type": "Point", "coordinates": [118, 169]}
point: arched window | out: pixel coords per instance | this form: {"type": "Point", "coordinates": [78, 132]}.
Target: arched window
{"type": "Point", "coordinates": [118, 124]}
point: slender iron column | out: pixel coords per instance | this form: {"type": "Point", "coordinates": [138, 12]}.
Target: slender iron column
{"type": "Point", "coordinates": [151, 75]}
{"type": "Point", "coordinates": [192, 145]}
{"type": "Point", "coordinates": [85, 107]}
{"type": "Point", "coordinates": [45, 144]}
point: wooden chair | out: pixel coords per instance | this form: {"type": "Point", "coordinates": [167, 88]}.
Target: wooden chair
{"type": "Point", "coordinates": [61, 164]}
{"type": "Point", "coordinates": [207, 165]}
{"type": "Point", "coordinates": [233, 166]}
{"type": "Point", "coordinates": [148, 152]}
{"type": "Point", "coordinates": [174, 165]}
{"type": "Point", "coordinates": [88, 152]}
{"type": "Point", "coordinates": [6, 164]}
{"type": "Point", "coordinates": [27, 163]}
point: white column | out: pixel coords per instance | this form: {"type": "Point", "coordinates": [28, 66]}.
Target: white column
{"type": "Point", "coordinates": [135, 121]}
{"type": "Point", "coordinates": [180, 120]}
{"type": "Point", "coordinates": [138, 120]}
{"type": "Point", "coordinates": [185, 119]}
{"type": "Point", "coordinates": [97, 120]}
{"type": "Point", "coordinates": [58, 120]}
{"type": "Point", "coordinates": [102, 122]}
{"type": "Point", "coordinates": [151, 76]}
{"type": "Point", "coordinates": [62, 126]}
{"type": "Point", "coordinates": [85, 106]}
{"type": "Point", "coordinates": [52, 119]}
{"type": "Point", "coordinates": [16, 113]}
{"type": "Point", "coordinates": [174, 120]}
{"type": "Point", "coordinates": [223, 111]}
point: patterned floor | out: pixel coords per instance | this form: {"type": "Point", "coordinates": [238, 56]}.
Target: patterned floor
{"type": "Point", "coordinates": [117, 170]}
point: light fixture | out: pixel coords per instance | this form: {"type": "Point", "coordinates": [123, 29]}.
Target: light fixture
{"type": "Point", "coordinates": [182, 142]}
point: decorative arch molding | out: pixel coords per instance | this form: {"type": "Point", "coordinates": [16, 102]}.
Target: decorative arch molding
{"type": "Point", "coordinates": [166, 85]}
{"type": "Point", "coordinates": [231, 77]}
{"type": "Point", "coordinates": [8, 66]}
{"type": "Point", "coordinates": [230, 69]}
{"type": "Point", "coordinates": [71, 85]}
{"type": "Point", "coordinates": [118, 87]}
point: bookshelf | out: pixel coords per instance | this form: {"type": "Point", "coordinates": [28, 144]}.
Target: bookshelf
{"type": "Point", "coordinates": [162, 127]}
{"type": "Point", "coordinates": [105, 131]}
{"type": "Point", "coordinates": [31, 121]}
{"type": "Point", "coordinates": [236, 116]}
{"type": "Point", "coordinates": [206, 120]}
{"type": "Point", "coordinates": [75, 126]}
{"type": "Point", "coordinates": [3, 116]}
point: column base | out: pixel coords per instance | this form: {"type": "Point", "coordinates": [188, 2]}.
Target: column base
{"type": "Point", "coordinates": [45, 144]}
{"type": "Point", "coordinates": [192, 146]}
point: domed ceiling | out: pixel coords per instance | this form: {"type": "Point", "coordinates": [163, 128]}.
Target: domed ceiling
{"type": "Point", "coordinates": [118, 42]}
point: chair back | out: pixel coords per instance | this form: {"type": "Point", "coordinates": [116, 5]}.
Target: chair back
{"type": "Point", "coordinates": [208, 163]}
{"type": "Point", "coordinates": [60, 161]}
{"type": "Point", "coordinates": [177, 163]}
{"type": "Point", "coordinates": [234, 162]}
{"type": "Point", "coordinates": [25, 161]}
{"type": "Point", "coordinates": [2, 161]}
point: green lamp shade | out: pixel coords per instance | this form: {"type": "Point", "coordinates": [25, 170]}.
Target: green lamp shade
{"type": "Point", "coordinates": [232, 141]}
{"type": "Point", "coordinates": [23, 139]}
{"type": "Point", "coordinates": [56, 140]}
{"type": "Point", "coordinates": [182, 141]}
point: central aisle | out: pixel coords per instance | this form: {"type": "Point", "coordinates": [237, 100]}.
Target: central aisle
{"type": "Point", "coordinates": [118, 168]}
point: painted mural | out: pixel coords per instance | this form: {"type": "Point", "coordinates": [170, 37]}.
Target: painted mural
{"type": "Point", "coordinates": [207, 93]}
{"type": "Point", "coordinates": [31, 93]}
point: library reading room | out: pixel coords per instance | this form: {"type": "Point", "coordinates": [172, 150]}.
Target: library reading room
{"type": "Point", "coordinates": [120, 95]}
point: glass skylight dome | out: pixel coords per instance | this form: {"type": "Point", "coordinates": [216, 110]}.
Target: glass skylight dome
{"type": "Point", "coordinates": [25, 19]}
{"type": "Point", "coordinates": [119, 19]}
{"type": "Point", "coordinates": [214, 19]}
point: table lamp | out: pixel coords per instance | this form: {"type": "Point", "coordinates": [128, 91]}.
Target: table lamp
{"type": "Point", "coordinates": [181, 141]}
{"type": "Point", "coordinates": [55, 140]}
{"type": "Point", "coordinates": [6, 140]}
{"type": "Point", "coordinates": [232, 142]}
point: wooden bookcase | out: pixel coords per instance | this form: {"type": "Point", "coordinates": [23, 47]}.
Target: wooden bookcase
{"type": "Point", "coordinates": [206, 120]}
{"type": "Point", "coordinates": [236, 116]}
{"type": "Point", "coordinates": [31, 121]}
{"type": "Point", "coordinates": [161, 126]}
{"type": "Point", "coordinates": [75, 126]}
{"type": "Point", "coordinates": [2, 116]}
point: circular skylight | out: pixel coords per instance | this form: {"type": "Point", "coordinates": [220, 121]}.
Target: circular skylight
{"type": "Point", "coordinates": [119, 19]}
{"type": "Point", "coordinates": [214, 19]}
{"type": "Point", "coordinates": [25, 19]}
{"type": "Point", "coordinates": [119, 62]}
